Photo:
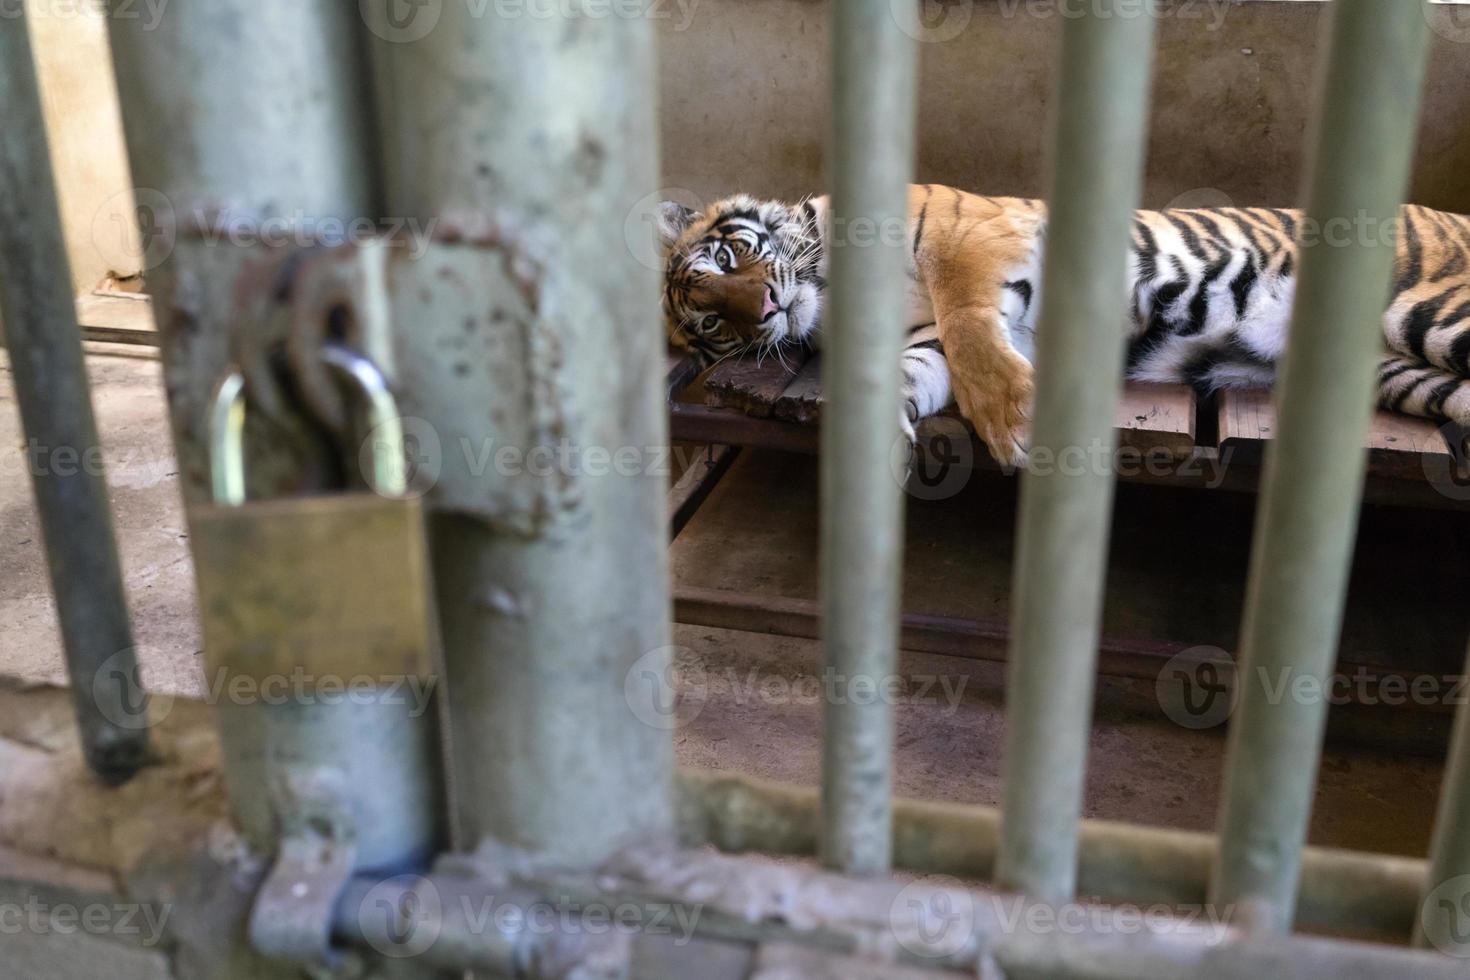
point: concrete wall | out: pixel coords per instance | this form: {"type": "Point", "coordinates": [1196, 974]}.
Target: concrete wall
{"type": "Point", "coordinates": [744, 99]}
{"type": "Point", "coordinates": [79, 95]}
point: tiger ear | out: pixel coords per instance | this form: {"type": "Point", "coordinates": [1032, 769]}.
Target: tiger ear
{"type": "Point", "coordinates": [672, 218]}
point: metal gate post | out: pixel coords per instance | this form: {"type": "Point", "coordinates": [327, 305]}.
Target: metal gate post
{"type": "Point", "coordinates": [528, 131]}
{"type": "Point", "coordinates": [38, 316]}
{"type": "Point", "coordinates": [1102, 118]}
{"type": "Point", "coordinates": [874, 72]}
{"type": "Point", "coordinates": [236, 113]}
{"type": "Point", "coordinates": [1313, 479]}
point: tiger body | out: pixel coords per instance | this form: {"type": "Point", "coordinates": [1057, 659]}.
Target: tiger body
{"type": "Point", "coordinates": [1209, 294]}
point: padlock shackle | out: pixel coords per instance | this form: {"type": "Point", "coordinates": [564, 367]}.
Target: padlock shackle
{"type": "Point", "coordinates": [385, 425]}
{"type": "Point", "coordinates": [386, 446]}
{"type": "Point", "coordinates": [227, 440]}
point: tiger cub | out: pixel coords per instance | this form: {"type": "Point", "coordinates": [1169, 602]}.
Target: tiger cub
{"type": "Point", "coordinates": [1210, 295]}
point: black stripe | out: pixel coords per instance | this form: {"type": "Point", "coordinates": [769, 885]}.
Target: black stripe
{"type": "Point", "coordinates": [1213, 227]}
{"type": "Point", "coordinates": [1148, 252]}
{"type": "Point", "coordinates": [1199, 307]}
{"type": "Point", "coordinates": [1241, 287]}
{"type": "Point", "coordinates": [1397, 402]}
{"type": "Point", "coordinates": [1287, 220]}
{"type": "Point", "coordinates": [923, 214]}
{"type": "Point", "coordinates": [1434, 401]}
{"type": "Point", "coordinates": [1453, 266]}
{"type": "Point", "coordinates": [1247, 229]}
{"type": "Point", "coordinates": [934, 345]}
{"type": "Point", "coordinates": [1459, 357]}
{"type": "Point", "coordinates": [1414, 256]}
{"type": "Point", "coordinates": [1022, 288]}
{"type": "Point", "coordinates": [1158, 326]}
{"type": "Point", "coordinates": [1190, 236]}
{"type": "Point", "coordinates": [1400, 366]}
{"type": "Point", "coordinates": [1231, 351]}
{"type": "Point", "coordinates": [1418, 324]}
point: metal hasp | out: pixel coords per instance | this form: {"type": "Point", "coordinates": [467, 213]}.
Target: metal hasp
{"type": "Point", "coordinates": [237, 114]}
{"type": "Point", "coordinates": [531, 140]}
{"type": "Point", "coordinates": [1102, 116]}
{"type": "Point", "coordinates": [871, 149]}
{"type": "Point", "coordinates": [38, 314]}
{"type": "Point", "coordinates": [1369, 96]}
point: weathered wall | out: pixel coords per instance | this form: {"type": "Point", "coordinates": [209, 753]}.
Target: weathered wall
{"type": "Point", "coordinates": [79, 95]}
{"type": "Point", "coordinates": [744, 99]}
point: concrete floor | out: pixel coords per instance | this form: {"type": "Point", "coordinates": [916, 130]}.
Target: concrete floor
{"type": "Point", "coordinates": [749, 702]}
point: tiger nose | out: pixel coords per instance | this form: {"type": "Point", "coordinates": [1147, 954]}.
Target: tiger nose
{"type": "Point", "coordinates": [768, 302]}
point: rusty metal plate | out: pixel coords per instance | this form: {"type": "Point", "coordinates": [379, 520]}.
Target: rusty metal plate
{"type": "Point", "coordinates": [315, 589]}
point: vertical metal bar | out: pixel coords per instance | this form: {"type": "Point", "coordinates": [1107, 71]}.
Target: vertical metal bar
{"type": "Point", "coordinates": [1102, 116]}
{"type": "Point", "coordinates": [236, 114]}
{"type": "Point", "coordinates": [874, 72]}
{"type": "Point", "coordinates": [1363, 148]}
{"type": "Point", "coordinates": [541, 124]}
{"type": "Point", "coordinates": [38, 314]}
{"type": "Point", "coordinates": [1447, 891]}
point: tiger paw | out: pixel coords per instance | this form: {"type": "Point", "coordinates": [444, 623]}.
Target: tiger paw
{"type": "Point", "coordinates": [1000, 410]}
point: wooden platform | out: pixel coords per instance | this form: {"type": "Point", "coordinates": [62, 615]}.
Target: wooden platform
{"type": "Point", "coordinates": [1217, 442]}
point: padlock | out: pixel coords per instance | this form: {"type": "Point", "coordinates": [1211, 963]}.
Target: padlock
{"type": "Point", "coordinates": [299, 590]}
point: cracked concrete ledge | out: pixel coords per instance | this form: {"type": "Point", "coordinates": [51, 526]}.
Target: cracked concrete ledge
{"type": "Point", "coordinates": [145, 880]}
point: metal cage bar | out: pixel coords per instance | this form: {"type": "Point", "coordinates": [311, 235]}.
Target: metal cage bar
{"type": "Point", "coordinates": [874, 71]}
{"type": "Point", "coordinates": [542, 128]}
{"type": "Point", "coordinates": [1313, 479]}
{"type": "Point", "coordinates": [39, 319]}
{"type": "Point", "coordinates": [1106, 61]}
{"type": "Point", "coordinates": [1447, 889]}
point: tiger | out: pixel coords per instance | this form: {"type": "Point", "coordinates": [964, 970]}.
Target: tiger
{"type": "Point", "coordinates": [1209, 290]}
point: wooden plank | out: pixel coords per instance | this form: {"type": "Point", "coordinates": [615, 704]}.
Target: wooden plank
{"type": "Point", "coordinates": [117, 318]}
{"type": "Point", "coordinates": [802, 399]}
{"type": "Point", "coordinates": [1409, 725]}
{"type": "Point", "coordinates": [1157, 419]}
{"type": "Point", "coordinates": [752, 385]}
{"type": "Point", "coordinates": [1246, 416]}
{"type": "Point", "coordinates": [696, 484]}
{"type": "Point", "coordinates": [680, 368]}
{"type": "Point", "coordinates": [1399, 446]}
{"type": "Point", "coordinates": [1151, 418]}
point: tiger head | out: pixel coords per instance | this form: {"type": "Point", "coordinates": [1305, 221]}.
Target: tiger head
{"type": "Point", "coordinates": [741, 274]}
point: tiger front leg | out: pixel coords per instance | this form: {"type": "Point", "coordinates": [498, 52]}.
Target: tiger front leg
{"type": "Point", "coordinates": [926, 388]}
{"type": "Point", "coordinates": [992, 382]}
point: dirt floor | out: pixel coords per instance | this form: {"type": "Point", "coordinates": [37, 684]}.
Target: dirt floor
{"type": "Point", "coordinates": [752, 702]}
